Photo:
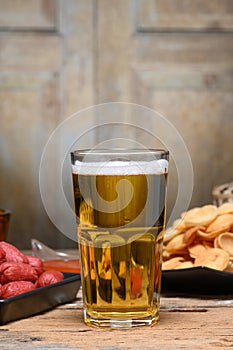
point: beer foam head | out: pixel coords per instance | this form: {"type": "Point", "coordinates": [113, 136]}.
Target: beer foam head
{"type": "Point", "coordinates": [116, 167]}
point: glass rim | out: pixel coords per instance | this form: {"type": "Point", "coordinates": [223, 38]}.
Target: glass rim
{"type": "Point", "coordinates": [120, 151]}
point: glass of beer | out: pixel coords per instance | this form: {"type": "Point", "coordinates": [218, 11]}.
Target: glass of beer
{"type": "Point", "coordinates": [120, 197]}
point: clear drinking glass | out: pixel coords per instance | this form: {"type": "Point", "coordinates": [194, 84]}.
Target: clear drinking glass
{"type": "Point", "coordinates": [120, 197]}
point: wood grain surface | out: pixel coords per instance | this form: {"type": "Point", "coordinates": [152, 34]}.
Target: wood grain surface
{"type": "Point", "coordinates": [184, 324]}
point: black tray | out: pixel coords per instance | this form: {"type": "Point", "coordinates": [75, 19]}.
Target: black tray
{"type": "Point", "coordinates": [197, 282]}
{"type": "Point", "coordinates": [40, 299]}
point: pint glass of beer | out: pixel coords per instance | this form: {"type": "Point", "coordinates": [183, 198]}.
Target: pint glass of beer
{"type": "Point", "coordinates": [120, 199]}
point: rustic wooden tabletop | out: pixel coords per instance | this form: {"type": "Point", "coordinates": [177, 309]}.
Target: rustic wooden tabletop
{"type": "Point", "coordinates": [184, 324]}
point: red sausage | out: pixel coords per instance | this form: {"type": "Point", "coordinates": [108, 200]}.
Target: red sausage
{"type": "Point", "coordinates": [11, 271]}
{"type": "Point", "coordinates": [49, 277]}
{"type": "Point", "coordinates": [17, 287]}
{"type": "Point", "coordinates": [12, 254]}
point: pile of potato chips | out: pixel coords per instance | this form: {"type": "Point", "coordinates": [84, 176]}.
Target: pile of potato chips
{"type": "Point", "coordinates": [201, 237]}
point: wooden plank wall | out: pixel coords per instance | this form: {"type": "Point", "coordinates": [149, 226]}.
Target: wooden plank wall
{"type": "Point", "coordinates": [58, 56]}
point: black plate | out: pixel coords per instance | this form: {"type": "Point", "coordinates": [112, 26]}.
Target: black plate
{"type": "Point", "coordinates": [40, 299]}
{"type": "Point", "coordinates": [197, 281]}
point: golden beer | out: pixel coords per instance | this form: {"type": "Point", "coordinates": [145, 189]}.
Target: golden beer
{"type": "Point", "coordinates": [120, 243]}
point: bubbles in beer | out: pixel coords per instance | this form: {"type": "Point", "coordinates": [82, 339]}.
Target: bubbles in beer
{"type": "Point", "coordinates": [116, 167]}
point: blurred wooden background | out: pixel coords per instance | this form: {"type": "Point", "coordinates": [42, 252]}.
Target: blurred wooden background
{"type": "Point", "coordinates": [59, 56]}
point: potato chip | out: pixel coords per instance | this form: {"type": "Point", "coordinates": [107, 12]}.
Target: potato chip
{"type": "Point", "coordinates": [189, 214]}
{"type": "Point", "coordinates": [196, 250]}
{"type": "Point", "coordinates": [172, 263]}
{"type": "Point", "coordinates": [216, 244]}
{"type": "Point", "coordinates": [191, 233]}
{"type": "Point", "coordinates": [201, 237]}
{"type": "Point", "coordinates": [209, 235]}
{"type": "Point", "coordinates": [201, 216]}
{"type": "Point", "coordinates": [179, 225]}
{"type": "Point", "coordinates": [214, 258]}
{"type": "Point", "coordinates": [224, 221]}
{"type": "Point", "coordinates": [226, 208]}
{"type": "Point", "coordinates": [170, 234]}
{"type": "Point", "coordinates": [176, 244]}
{"type": "Point", "coordinates": [225, 242]}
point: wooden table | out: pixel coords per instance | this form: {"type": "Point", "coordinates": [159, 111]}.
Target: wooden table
{"type": "Point", "coordinates": [184, 324]}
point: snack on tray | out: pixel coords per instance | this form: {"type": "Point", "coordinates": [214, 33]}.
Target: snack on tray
{"type": "Point", "coordinates": [20, 273]}
{"type": "Point", "coordinates": [201, 237]}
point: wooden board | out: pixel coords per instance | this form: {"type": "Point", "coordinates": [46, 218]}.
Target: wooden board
{"type": "Point", "coordinates": [184, 324]}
